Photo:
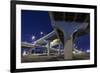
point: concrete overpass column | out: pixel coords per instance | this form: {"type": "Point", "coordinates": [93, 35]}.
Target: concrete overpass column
{"type": "Point", "coordinates": [48, 48]}
{"type": "Point", "coordinates": [68, 49]}
{"type": "Point", "coordinates": [59, 50]}
{"type": "Point", "coordinates": [30, 51]}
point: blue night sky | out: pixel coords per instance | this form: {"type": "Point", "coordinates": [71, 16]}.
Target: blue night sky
{"type": "Point", "coordinates": [34, 22]}
{"type": "Point", "coordinates": [83, 42]}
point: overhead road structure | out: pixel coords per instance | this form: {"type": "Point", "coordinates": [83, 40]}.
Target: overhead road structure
{"type": "Point", "coordinates": [46, 41]}
{"type": "Point", "coordinates": [69, 25]}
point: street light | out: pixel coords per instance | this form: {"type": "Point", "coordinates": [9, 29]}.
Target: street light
{"type": "Point", "coordinates": [41, 33]}
{"type": "Point", "coordinates": [88, 51]}
{"type": "Point", "coordinates": [33, 37]}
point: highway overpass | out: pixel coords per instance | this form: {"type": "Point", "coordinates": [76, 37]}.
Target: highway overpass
{"type": "Point", "coordinates": [67, 26]}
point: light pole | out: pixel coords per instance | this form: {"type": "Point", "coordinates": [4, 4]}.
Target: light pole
{"type": "Point", "coordinates": [33, 42]}
{"type": "Point", "coordinates": [41, 33]}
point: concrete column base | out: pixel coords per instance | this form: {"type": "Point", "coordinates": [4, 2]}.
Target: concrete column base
{"type": "Point", "coordinates": [68, 49]}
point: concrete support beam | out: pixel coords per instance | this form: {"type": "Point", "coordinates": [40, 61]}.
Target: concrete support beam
{"type": "Point", "coordinates": [68, 49]}
{"type": "Point", "coordinates": [59, 50]}
{"type": "Point", "coordinates": [48, 49]}
{"type": "Point", "coordinates": [30, 51]}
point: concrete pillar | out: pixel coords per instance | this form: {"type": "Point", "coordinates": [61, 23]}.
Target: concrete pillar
{"type": "Point", "coordinates": [68, 49]}
{"type": "Point", "coordinates": [48, 49]}
{"type": "Point", "coordinates": [30, 51]}
{"type": "Point", "coordinates": [59, 50]}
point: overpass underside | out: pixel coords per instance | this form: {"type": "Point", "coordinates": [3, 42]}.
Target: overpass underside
{"type": "Point", "coordinates": [68, 27]}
